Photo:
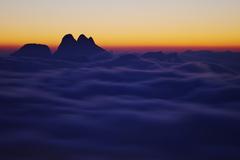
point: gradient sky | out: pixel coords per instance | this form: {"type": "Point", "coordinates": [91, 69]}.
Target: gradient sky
{"type": "Point", "coordinates": [123, 23]}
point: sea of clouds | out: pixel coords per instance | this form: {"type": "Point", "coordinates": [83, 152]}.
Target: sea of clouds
{"type": "Point", "coordinates": [126, 108]}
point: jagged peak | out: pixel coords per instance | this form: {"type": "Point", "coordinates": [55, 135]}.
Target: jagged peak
{"type": "Point", "coordinates": [82, 37]}
{"type": "Point", "coordinates": [91, 40]}
{"type": "Point", "coordinates": [68, 37]}
{"type": "Point", "coordinates": [68, 44]}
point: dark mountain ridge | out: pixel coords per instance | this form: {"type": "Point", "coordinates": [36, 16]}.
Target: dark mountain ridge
{"type": "Point", "coordinates": [85, 49]}
{"type": "Point", "coordinates": [82, 49]}
{"type": "Point", "coordinates": [33, 50]}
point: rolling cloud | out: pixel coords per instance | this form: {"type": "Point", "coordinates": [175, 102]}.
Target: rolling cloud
{"type": "Point", "coordinates": [143, 107]}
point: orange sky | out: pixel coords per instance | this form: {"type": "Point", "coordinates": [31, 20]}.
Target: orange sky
{"type": "Point", "coordinates": [126, 24]}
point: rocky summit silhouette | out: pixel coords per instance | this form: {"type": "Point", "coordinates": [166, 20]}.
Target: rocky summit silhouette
{"type": "Point", "coordinates": [83, 49]}
{"type": "Point", "coordinates": [34, 50]}
{"type": "Point", "coordinates": [88, 46]}
{"type": "Point", "coordinates": [67, 47]}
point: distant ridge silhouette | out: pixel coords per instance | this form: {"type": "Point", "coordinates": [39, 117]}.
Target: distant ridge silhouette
{"type": "Point", "coordinates": [34, 50]}
{"type": "Point", "coordinates": [67, 47]}
{"type": "Point", "coordinates": [82, 49]}
{"type": "Point", "coordinates": [88, 46]}
{"type": "Point", "coordinates": [86, 50]}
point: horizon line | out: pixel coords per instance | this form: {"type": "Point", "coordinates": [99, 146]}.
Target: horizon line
{"type": "Point", "coordinates": [138, 48]}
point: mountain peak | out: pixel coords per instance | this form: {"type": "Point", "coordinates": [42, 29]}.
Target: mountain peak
{"type": "Point", "coordinates": [68, 38]}
{"type": "Point", "coordinates": [34, 50]}
{"type": "Point", "coordinates": [84, 42]}
{"type": "Point", "coordinates": [68, 35]}
{"type": "Point", "coordinates": [82, 37]}
{"type": "Point", "coordinates": [91, 40]}
{"type": "Point", "coordinates": [84, 48]}
{"type": "Point", "coordinates": [68, 45]}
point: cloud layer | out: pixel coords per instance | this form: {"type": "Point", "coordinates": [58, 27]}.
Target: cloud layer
{"type": "Point", "coordinates": [130, 107]}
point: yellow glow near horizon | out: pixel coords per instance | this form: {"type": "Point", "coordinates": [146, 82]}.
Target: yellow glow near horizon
{"type": "Point", "coordinates": [122, 23]}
